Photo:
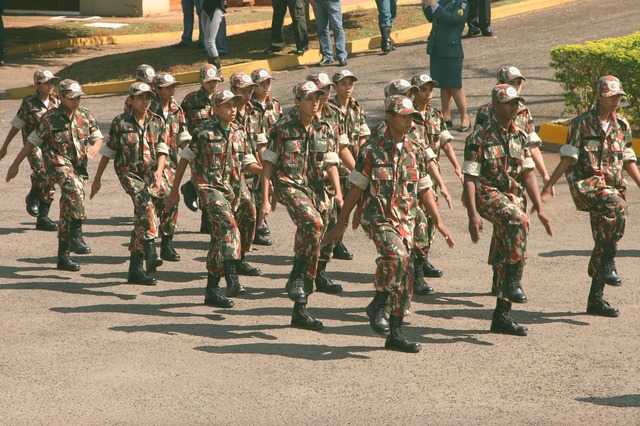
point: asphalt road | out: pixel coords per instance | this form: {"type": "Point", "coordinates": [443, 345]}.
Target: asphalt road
{"type": "Point", "coordinates": [86, 348]}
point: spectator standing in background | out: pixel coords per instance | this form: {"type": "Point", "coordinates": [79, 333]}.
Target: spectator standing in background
{"type": "Point", "coordinates": [212, 16]}
{"type": "Point", "coordinates": [329, 14]}
{"type": "Point", "coordinates": [386, 15]}
{"type": "Point", "coordinates": [298, 12]}
{"type": "Point", "coordinates": [479, 18]}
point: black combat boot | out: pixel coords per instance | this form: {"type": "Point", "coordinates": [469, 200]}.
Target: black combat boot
{"type": "Point", "coordinates": [301, 318]}
{"type": "Point", "coordinates": [65, 263]}
{"type": "Point", "coordinates": [324, 284]}
{"type": "Point", "coordinates": [385, 40]}
{"type": "Point", "coordinates": [244, 268]}
{"type": "Point", "coordinates": [189, 196]}
{"type": "Point", "coordinates": [44, 223]}
{"type": "Point", "coordinates": [231, 277]}
{"type": "Point", "coordinates": [341, 252]}
{"type": "Point", "coordinates": [376, 310]}
{"type": "Point", "coordinates": [511, 287]}
{"type": "Point", "coordinates": [596, 305]}
{"type": "Point", "coordinates": [295, 284]}
{"type": "Point", "coordinates": [76, 241]}
{"type": "Point", "coordinates": [420, 286]}
{"type": "Point", "coordinates": [264, 229]}
{"type": "Point", "coordinates": [495, 281]}
{"type": "Point", "coordinates": [137, 274]}
{"type": "Point", "coordinates": [261, 240]}
{"type": "Point", "coordinates": [215, 61]}
{"type": "Point", "coordinates": [167, 252]}
{"type": "Point", "coordinates": [607, 269]}
{"type": "Point", "coordinates": [430, 271]}
{"type": "Point", "coordinates": [213, 295]}
{"type": "Point", "coordinates": [151, 256]}
{"type": "Point", "coordinates": [397, 341]}
{"type": "Point", "coordinates": [205, 223]}
{"type": "Point", "coordinates": [32, 201]}
{"type": "Point", "coordinates": [502, 321]}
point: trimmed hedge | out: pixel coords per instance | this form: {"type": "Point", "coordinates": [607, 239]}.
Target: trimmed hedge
{"type": "Point", "coordinates": [580, 65]}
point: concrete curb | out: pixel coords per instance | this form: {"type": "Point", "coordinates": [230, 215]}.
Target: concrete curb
{"type": "Point", "coordinates": [283, 62]}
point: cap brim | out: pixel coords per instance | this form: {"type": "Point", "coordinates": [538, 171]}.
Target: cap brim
{"type": "Point", "coordinates": [214, 78]}
{"type": "Point", "coordinates": [313, 92]}
{"type": "Point", "coordinates": [611, 94]}
{"type": "Point", "coordinates": [73, 95]}
{"type": "Point", "coordinates": [347, 76]}
{"type": "Point", "coordinates": [505, 100]}
{"type": "Point", "coordinates": [236, 98]}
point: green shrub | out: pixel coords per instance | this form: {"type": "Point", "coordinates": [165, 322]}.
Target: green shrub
{"type": "Point", "coordinates": [580, 65]}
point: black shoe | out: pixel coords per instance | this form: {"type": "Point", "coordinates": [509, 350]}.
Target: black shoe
{"type": "Point", "coordinates": [151, 256]}
{"type": "Point", "coordinates": [487, 32]}
{"type": "Point", "coordinates": [596, 305]}
{"type": "Point", "coordinates": [243, 268]}
{"type": "Point", "coordinates": [502, 322]}
{"type": "Point", "coordinates": [263, 230]}
{"type": "Point", "coordinates": [216, 299]}
{"type": "Point", "coordinates": [189, 196]}
{"type": "Point", "coordinates": [167, 252]}
{"type": "Point", "coordinates": [76, 240]}
{"type": "Point", "coordinates": [181, 44]}
{"type": "Point", "coordinates": [430, 271]}
{"type": "Point", "coordinates": [300, 318]}
{"type": "Point", "coordinates": [511, 287]}
{"type": "Point", "coordinates": [420, 286]}
{"type": "Point", "coordinates": [43, 223]}
{"type": "Point", "coordinates": [376, 310]}
{"type": "Point", "coordinates": [341, 252]}
{"type": "Point", "coordinates": [137, 275]}
{"type": "Point", "coordinates": [32, 201]}
{"type": "Point", "coordinates": [295, 290]}
{"type": "Point", "coordinates": [271, 50]}
{"type": "Point", "coordinates": [471, 33]}
{"type": "Point", "coordinates": [325, 62]}
{"type": "Point", "coordinates": [449, 124]}
{"type": "Point", "coordinates": [342, 62]}
{"type": "Point", "coordinates": [397, 341]}
{"type": "Point", "coordinates": [261, 240]}
{"type": "Point", "coordinates": [65, 263]}
{"type": "Point", "coordinates": [324, 284]}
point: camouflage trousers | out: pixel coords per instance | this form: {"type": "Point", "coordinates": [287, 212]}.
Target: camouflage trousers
{"type": "Point", "coordinates": [311, 217]}
{"type": "Point", "coordinates": [608, 214]}
{"type": "Point", "coordinates": [507, 214]}
{"type": "Point", "coordinates": [167, 219]}
{"type": "Point", "coordinates": [146, 211]}
{"type": "Point", "coordinates": [40, 179]}
{"type": "Point", "coordinates": [246, 216]}
{"type": "Point", "coordinates": [225, 236]}
{"type": "Point", "coordinates": [394, 269]}
{"type": "Point", "coordinates": [71, 198]}
{"type": "Point", "coordinates": [326, 252]}
{"type": "Point", "coordinates": [424, 233]}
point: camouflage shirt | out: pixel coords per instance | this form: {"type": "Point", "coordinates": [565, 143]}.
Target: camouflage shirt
{"type": "Point", "coordinates": [135, 150]}
{"type": "Point", "coordinates": [176, 132]}
{"type": "Point", "coordinates": [197, 108]}
{"type": "Point", "coordinates": [353, 122]}
{"type": "Point", "coordinates": [250, 119]}
{"type": "Point", "coordinates": [271, 112]}
{"type": "Point", "coordinates": [394, 178]}
{"type": "Point", "coordinates": [29, 113]}
{"type": "Point", "coordinates": [598, 155]}
{"type": "Point", "coordinates": [300, 156]}
{"type": "Point", "coordinates": [436, 134]}
{"type": "Point", "coordinates": [64, 141]}
{"type": "Point", "coordinates": [497, 157]}
{"type": "Point", "coordinates": [218, 159]}
{"type": "Point", "coordinates": [523, 120]}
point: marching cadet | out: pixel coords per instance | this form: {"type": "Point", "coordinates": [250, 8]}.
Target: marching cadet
{"type": "Point", "coordinates": [144, 74]}
{"type": "Point", "coordinates": [177, 137]}
{"type": "Point", "coordinates": [31, 109]}
{"type": "Point", "coordinates": [250, 119]}
{"type": "Point", "coordinates": [511, 75]}
{"type": "Point", "coordinates": [353, 121]}
{"type": "Point", "coordinates": [63, 134]}
{"type": "Point", "coordinates": [598, 149]}
{"type": "Point", "coordinates": [137, 143]}
{"type": "Point", "coordinates": [197, 109]}
{"type": "Point", "coordinates": [437, 138]}
{"type": "Point", "coordinates": [301, 152]}
{"type": "Point", "coordinates": [392, 171]}
{"type": "Point", "coordinates": [498, 168]}
{"type": "Point", "coordinates": [271, 111]}
{"type": "Point", "coordinates": [219, 157]}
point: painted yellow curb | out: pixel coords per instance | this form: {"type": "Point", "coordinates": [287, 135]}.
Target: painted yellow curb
{"type": "Point", "coordinates": [557, 134]}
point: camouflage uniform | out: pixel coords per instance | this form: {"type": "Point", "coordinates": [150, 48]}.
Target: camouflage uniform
{"type": "Point", "coordinates": [595, 177]}
{"type": "Point", "coordinates": [144, 74]}
{"type": "Point", "coordinates": [299, 162]}
{"type": "Point", "coordinates": [135, 151]}
{"type": "Point", "coordinates": [31, 110]}
{"type": "Point", "coordinates": [218, 158]}
{"type": "Point", "coordinates": [197, 108]}
{"type": "Point", "coordinates": [270, 112]}
{"type": "Point", "coordinates": [63, 143]}
{"type": "Point", "coordinates": [393, 178]}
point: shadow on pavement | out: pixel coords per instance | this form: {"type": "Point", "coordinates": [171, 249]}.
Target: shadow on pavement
{"type": "Point", "coordinates": [293, 350]}
{"type": "Point", "coordinates": [622, 401]}
{"type": "Point", "coordinates": [70, 288]}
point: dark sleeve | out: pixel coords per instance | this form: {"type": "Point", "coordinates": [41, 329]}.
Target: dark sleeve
{"type": "Point", "coordinates": [456, 15]}
{"type": "Point", "coordinates": [428, 13]}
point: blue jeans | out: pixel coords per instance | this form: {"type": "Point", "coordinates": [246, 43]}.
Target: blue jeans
{"type": "Point", "coordinates": [329, 13]}
{"type": "Point", "coordinates": [386, 12]}
{"type": "Point", "coordinates": [188, 19]}
{"type": "Point", "coordinates": [221, 38]}
{"type": "Point", "coordinates": [210, 26]}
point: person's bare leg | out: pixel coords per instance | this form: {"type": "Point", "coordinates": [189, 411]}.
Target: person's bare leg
{"type": "Point", "coordinates": [461, 103]}
{"type": "Point", "coordinates": [445, 99]}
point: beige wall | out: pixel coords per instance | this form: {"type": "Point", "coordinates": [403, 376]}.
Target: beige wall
{"type": "Point", "coordinates": [134, 8]}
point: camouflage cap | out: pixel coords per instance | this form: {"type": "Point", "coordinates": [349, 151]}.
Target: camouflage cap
{"type": "Point", "coordinates": [70, 89]}
{"type": "Point", "coordinates": [209, 72]}
{"type": "Point", "coordinates": [420, 79]}
{"type": "Point", "coordinates": [400, 105]}
{"type": "Point", "coordinates": [164, 80]}
{"type": "Point", "coordinates": [399, 87]}
{"type": "Point", "coordinates": [145, 73]}
{"type": "Point", "coordinates": [505, 93]}
{"type": "Point", "coordinates": [43, 76]}
{"type": "Point", "coordinates": [341, 75]}
{"type": "Point", "coordinates": [321, 79]}
{"type": "Point", "coordinates": [140, 87]}
{"type": "Point", "coordinates": [305, 89]}
{"type": "Point", "coordinates": [608, 86]}
{"type": "Point", "coordinates": [224, 96]}
{"type": "Point", "coordinates": [508, 73]}
{"type": "Point", "coordinates": [241, 80]}
{"type": "Point", "coordinates": [259, 75]}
